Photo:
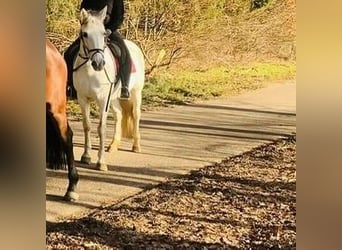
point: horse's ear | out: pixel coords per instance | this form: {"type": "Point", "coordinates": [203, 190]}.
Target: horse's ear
{"type": "Point", "coordinates": [83, 16]}
{"type": "Point", "coordinates": [102, 13]}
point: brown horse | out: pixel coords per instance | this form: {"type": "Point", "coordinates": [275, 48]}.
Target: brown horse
{"type": "Point", "coordinates": [59, 147]}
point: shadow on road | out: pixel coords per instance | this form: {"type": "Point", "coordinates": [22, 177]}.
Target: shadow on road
{"type": "Point", "coordinates": [59, 199]}
{"type": "Point", "coordinates": [241, 109]}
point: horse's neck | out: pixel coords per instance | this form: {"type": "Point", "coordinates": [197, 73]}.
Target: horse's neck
{"type": "Point", "coordinates": [81, 51]}
{"type": "Point", "coordinates": [109, 51]}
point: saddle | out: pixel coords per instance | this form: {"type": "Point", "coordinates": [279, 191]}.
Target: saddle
{"type": "Point", "coordinates": [115, 49]}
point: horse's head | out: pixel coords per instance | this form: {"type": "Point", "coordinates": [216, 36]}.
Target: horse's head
{"type": "Point", "coordinates": [93, 36]}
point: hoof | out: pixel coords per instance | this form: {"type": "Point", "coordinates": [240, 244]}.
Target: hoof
{"type": "Point", "coordinates": [86, 160]}
{"type": "Point", "coordinates": [71, 196]}
{"type": "Point", "coordinates": [101, 167]}
{"type": "Point", "coordinates": [136, 149]}
{"type": "Point", "coordinates": [112, 149]}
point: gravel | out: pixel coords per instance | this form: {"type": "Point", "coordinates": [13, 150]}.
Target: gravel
{"type": "Point", "coordinates": [244, 202]}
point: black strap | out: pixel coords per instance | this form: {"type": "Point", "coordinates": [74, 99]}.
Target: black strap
{"type": "Point", "coordinates": [79, 66]}
{"type": "Point", "coordinates": [111, 86]}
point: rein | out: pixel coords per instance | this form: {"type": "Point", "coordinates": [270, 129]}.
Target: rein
{"type": "Point", "coordinates": [117, 78]}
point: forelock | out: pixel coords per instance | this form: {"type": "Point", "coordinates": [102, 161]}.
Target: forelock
{"type": "Point", "coordinates": [91, 18]}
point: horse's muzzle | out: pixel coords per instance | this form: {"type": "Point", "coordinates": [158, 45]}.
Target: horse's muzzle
{"type": "Point", "coordinates": [98, 61]}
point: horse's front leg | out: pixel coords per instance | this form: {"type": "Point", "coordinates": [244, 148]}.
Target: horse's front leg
{"type": "Point", "coordinates": [114, 145]}
{"type": "Point", "coordinates": [101, 164]}
{"type": "Point", "coordinates": [67, 135]}
{"type": "Point", "coordinates": [71, 194]}
{"type": "Point", "coordinates": [85, 108]}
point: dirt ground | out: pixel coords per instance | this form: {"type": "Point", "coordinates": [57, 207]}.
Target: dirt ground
{"type": "Point", "coordinates": [244, 202]}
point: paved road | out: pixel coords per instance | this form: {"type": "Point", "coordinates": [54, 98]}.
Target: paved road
{"type": "Point", "coordinates": [175, 141]}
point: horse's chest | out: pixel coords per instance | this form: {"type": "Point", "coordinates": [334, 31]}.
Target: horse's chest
{"type": "Point", "coordinates": [91, 83]}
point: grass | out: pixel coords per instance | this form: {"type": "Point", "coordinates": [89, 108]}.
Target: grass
{"type": "Point", "coordinates": [188, 86]}
{"type": "Point", "coordinates": [183, 87]}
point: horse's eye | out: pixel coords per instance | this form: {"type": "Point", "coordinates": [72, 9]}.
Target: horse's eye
{"type": "Point", "coordinates": [85, 34]}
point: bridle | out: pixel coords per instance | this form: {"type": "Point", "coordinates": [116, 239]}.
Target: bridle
{"type": "Point", "coordinates": [88, 53]}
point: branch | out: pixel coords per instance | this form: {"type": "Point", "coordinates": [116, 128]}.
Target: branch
{"type": "Point", "coordinates": [172, 56]}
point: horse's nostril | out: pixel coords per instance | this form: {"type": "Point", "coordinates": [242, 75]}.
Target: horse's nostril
{"type": "Point", "coordinates": [98, 62]}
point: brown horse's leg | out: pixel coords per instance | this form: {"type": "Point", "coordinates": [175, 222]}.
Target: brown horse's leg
{"type": "Point", "coordinates": [67, 135]}
{"type": "Point", "coordinates": [71, 194]}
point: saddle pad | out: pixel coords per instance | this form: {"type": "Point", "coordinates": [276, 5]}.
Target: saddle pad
{"type": "Point", "coordinates": [133, 68]}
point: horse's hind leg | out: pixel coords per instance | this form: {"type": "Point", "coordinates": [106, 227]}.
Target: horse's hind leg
{"type": "Point", "coordinates": [136, 98]}
{"type": "Point", "coordinates": [114, 145]}
{"type": "Point", "coordinates": [71, 194]}
{"type": "Point", "coordinates": [85, 107]}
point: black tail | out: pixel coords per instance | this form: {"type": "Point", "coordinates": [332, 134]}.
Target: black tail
{"type": "Point", "coordinates": [55, 145]}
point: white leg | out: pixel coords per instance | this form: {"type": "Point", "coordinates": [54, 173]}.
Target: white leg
{"type": "Point", "coordinates": [136, 98]}
{"type": "Point", "coordinates": [101, 129]}
{"type": "Point", "coordinates": [116, 107]}
{"type": "Point", "coordinates": [85, 108]}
